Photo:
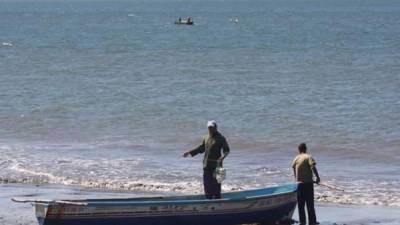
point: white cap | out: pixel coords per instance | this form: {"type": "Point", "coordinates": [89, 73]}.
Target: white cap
{"type": "Point", "coordinates": [211, 123]}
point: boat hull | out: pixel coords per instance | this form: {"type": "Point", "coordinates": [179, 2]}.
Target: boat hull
{"type": "Point", "coordinates": [183, 23]}
{"type": "Point", "coordinates": [232, 209]}
{"type": "Point", "coordinates": [282, 214]}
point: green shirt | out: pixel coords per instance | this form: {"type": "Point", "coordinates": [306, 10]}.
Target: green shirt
{"type": "Point", "coordinates": [211, 147]}
{"type": "Point", "coordinates": [303, 164]}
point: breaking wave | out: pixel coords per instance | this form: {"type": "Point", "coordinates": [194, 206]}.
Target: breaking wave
{"type": "Point", "coordinates": [7, 44]}
{"type": "Point", "coordinates": [381, 193]}
{"type": "Point", "coordinates": [355, 193]}
{"type": "Point", "coordinates": [137, 171]}
{"type": "Point", "coordinates": [26, 176]}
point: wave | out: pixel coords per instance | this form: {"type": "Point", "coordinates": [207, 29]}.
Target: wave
{"type": "Point", "coordinates": [183, 187]}
{"type": "Point", "coordinates": [127, 171]}
{"type": "Point", "coordinates": [195, 187]}
{"type": "Point", "coordinates": [22, 175]}
{"type": "Point", "coordinates": [355, 193]}
{"type": "Point", "coordinates": [359, 199]}
{"type": "Point", "coordinates": [7, 44]}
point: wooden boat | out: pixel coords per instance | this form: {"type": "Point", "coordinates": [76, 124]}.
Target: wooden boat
{"type": "Point", "coordinates": [267, 206]}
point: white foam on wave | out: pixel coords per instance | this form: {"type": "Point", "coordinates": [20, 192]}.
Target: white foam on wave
{"type": "Point", "coordinates": [352, 195]}
{"type": "Point", "coordinates": [8, 44]}
{"type": "Point", "coordinates": [193, 186]}
{"type": "Point", "coordinates": [129, 172]}
{"type": "Point", "coordinates": [37, 177]}
{"type": "Point", "coordinates": [362, 193]}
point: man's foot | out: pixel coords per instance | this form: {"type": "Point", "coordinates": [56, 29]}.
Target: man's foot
{"type": "Point", "coordinates": [315, 223]}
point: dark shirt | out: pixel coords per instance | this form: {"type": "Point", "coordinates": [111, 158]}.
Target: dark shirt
{"type": "Point", "coordinates": [211, 147]}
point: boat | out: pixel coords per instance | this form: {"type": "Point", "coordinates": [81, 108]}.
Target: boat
{"type": "Point", "coordinates": [184, 22]}
{"type": "Point", "coordinates": [273, 205]}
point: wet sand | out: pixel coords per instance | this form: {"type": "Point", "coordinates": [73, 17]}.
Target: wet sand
{"type": "Point", "coordinates": [334, 214]}
{"type": "Point", "coordinates": [328, 214]}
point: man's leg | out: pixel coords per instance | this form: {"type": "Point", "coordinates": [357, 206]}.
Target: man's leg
{"type": "Point", "coordinates": [310, 204]}
{"type": "Point", "coordinates": [216, 188]}
{"type": "Point", "coordinates": [207, 182]}
{"type": "Point", "coordinates": [300, 204]}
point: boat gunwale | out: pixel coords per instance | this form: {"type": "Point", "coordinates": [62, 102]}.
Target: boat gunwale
{"type": "Point", "coordinates": [176, 200]}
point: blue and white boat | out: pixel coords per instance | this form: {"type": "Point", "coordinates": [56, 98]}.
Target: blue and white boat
{"type": "Point", "coordinates": [267, 206]}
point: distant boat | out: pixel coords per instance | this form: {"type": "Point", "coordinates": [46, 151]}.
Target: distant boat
{"type": "Point", "coordinates": [235, 20]}
{"type": "Point", "coordinates": [268, 206]}
{"type": "Point", "coordinates": [184, 22]}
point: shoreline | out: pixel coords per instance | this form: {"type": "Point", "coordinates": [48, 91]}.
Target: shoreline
{"type": "Point", "coordinates": [327, 213]}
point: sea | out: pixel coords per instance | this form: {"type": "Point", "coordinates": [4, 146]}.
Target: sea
{"type": "Point", "coordinates": [108, 95]}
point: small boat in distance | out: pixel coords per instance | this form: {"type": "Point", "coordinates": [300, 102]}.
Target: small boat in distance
{"type": "Point", "coordinates": [267, 206]}
{"type": "Point", "coordinates": [188, 21]}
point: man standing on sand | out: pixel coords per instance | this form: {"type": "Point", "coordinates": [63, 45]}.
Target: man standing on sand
{"type": "Point", "coordinates": [211, 147]}
{"type": "Point", "coordinates": [304, 168]}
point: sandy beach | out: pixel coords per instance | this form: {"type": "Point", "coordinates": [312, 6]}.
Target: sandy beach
{"type": "Point", "coordinates": [328, 214]}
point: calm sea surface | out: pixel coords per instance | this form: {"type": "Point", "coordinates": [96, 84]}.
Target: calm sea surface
{"type": "Point", "coordinates": [109, 94]}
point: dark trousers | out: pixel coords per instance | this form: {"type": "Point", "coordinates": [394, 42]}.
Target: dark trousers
{"type": "Point", "coordinates": [305, 195]}
{"type": "Point", "coordinates": [212, 188]}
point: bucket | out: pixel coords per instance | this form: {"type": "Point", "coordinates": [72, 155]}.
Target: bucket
{"type": "Point", "coordinates": [220, 174]}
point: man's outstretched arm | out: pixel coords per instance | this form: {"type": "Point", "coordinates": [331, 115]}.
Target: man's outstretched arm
{"type": "Point", "coordinates": [200, 149]}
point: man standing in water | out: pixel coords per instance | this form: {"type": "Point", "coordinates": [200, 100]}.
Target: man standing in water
{"type": "Point", "coordinates": [211, 146]}
{"type": "Point", "coordinates": [304, 168]}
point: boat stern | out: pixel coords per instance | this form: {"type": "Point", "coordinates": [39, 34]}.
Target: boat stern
{"type": "Point", "coordinates": [41, 212]}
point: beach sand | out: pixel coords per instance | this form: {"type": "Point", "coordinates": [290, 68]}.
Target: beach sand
{"type": "Point", "coordinates": [328, 214]}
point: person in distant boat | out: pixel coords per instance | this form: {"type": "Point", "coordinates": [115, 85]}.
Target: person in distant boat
{"type": "Point", "coordinates": [189, 20]}
{"type": "Point", "coordinates": [180, 19]}
{"type": "Point", "coordinates": [304, 168]}
{"type": "Point", "coordinates": [211, 146]}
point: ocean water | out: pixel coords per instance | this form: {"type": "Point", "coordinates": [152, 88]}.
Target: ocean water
{"type": "Point", "coordinates": [109, 94]}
